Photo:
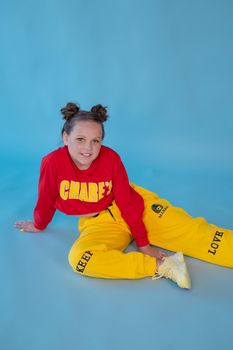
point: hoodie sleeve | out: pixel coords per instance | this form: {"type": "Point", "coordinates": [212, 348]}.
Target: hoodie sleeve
{"type": "Point", "coordinates": [130, 203]}
{"type": "Point", "coordinates": [47, 194]}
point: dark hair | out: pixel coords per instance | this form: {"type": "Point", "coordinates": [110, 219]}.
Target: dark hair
{"type": "Point", "coordinates": [72, 113]}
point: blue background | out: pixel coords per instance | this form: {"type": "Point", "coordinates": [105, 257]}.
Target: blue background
{"type": "Point", "coordinates": [164, 69]}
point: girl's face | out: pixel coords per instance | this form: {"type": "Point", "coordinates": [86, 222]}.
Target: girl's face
{"type": "Point", "coordinates": [84, 143]}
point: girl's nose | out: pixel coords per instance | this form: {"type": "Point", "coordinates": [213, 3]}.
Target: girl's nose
{"type": "Point", "coordinates": [88, 146]}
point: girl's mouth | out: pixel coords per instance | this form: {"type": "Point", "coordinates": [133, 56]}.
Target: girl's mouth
{"type": "Point", "coordinates": [86, 154]}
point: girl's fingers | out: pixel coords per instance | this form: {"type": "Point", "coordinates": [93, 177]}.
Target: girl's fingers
{"type": "Point", "coordinates": [23, 225]}
{"type": "Point", "coordinates": [23, 222]}
{"type": "Point", "coordinates": [26, 226]}
{"type": "Point", "coordinates": [163, 255]}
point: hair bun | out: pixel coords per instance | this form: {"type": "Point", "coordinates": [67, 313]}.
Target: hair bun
{"type": "Point", "coordinates": [101, 111]}
{"type": "Point", "coordinates": [69, 110]}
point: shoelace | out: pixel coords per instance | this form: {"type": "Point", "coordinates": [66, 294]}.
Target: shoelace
{"type": "Point", "coordinates": [169, 274]}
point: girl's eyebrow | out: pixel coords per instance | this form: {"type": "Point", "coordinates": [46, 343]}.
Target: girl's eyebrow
{"type": "Point", "coordinates": [96, 137]}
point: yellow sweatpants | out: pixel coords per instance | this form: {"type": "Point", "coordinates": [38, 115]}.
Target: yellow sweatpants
{"type": "Point", "coordinates": [99, 250]}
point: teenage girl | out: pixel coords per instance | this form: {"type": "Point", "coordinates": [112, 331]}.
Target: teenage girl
{"type": "Point", "coordinates": [88, 179]}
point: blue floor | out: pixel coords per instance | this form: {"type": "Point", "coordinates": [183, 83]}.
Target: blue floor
{"type": "Point", "coordinates": [45, 305]}
{"type": "Point", "coordinates": [164, 69]}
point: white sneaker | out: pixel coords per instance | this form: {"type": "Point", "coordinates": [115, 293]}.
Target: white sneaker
{"type": "Point", "coordinates": [174, 267]}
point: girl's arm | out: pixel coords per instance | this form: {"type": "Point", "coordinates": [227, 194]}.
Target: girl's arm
{"type": "Point", "coordinates": [131, 205]}
{"type": "Point", "coordinates": [47, 194]}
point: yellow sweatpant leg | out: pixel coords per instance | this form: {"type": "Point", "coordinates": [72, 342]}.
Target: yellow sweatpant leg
{"type": "Point", "coordinates": [174, 229]}
{"type": "Point", "coordinates": [98, 252]}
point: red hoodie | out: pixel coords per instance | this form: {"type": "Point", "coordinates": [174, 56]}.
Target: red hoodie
{"type": "Point", "coordinates": [63, 186]}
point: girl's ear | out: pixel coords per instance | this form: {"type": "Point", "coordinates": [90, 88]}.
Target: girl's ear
{"type": "Point", "coordinates": [65, 138]}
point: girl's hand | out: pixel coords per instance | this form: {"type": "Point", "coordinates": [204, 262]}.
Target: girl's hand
{"type": "Point", "coordinates": [26, 226]}
{"type": "Point", "coordinates": [152, 251]}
